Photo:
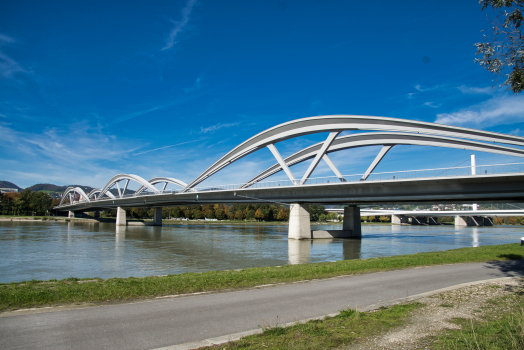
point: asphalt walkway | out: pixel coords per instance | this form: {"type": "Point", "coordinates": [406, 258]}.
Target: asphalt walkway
{"type": "Point", "coordinates": [167, 322]}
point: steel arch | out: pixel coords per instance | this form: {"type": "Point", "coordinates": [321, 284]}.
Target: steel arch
{"type": "Point", "coordinates": [117, 178]}
{"type": "Point", "coordinates": [77, 190]}
{"type": "Point", "coordinates": [98, 190]}
{"type": "Point", "coordinates": [338, 123]}
{"type": "Point", "coordinates": [157, 180]}
{"type": "Point", "coordinates": [391, 139]}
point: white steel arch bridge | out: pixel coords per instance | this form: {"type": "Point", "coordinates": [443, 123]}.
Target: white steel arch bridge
{"type": "Point", "coordinates": [382, 131]}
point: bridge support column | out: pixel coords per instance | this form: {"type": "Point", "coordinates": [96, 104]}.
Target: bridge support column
{"type": "Point", "coordinates": [350, 226]}
{"type": "Point", "coordinates": [71, 214]}
{"type": "Point", "coordinates": [433, 221]}
{"type": "Point", "coordinates": [469, 221]}
{"type": "Point", "coordinates": [299, 222]}
{"type": "Point", "coordinates": [418, 220]}
{"type": "Point", "coordinates": [475, 221]}
{"type": "Point", "coordinates": [120, 217]}
{"type": "Point", "coordinates": [460, 220]}
{"type": "Point", "coordinates": [157, 217]}
{"type": "Point", "coordinates": [352, 221]}
{"type": "Point", "coordinates": [488, 221]}
{"type": "Point", "coordinates": [96, 215]}
{"type": "Point", "coordinates": [396, 219]}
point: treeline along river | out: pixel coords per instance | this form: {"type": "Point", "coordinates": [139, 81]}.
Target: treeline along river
{"type": "Point", "coordinates": [49, 250]}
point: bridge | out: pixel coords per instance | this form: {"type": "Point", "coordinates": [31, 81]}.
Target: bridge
{"type": "Point", "coordinates": [419, 217]}
{"type": "Point", "coordinates": [483, 183]}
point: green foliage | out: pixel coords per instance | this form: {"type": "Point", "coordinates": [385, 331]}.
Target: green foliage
{"type": "Point", "coordinates": [501, 330]}
{"type": "Point", "coordinates": [25, 203]}
{"type": "Point", "coordinates": [502, 53]}
{"type": "Point", "coordinates": [337, 332]}
{"type": "Point", "coordinates": [446, 220]}
{"type": "Point", "coordinates": [250, 214]}
{"type": "Point", "coordinates": [315, 210]}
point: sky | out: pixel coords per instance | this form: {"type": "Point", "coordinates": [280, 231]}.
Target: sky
{"type": "Point", "coordinates": [91, 89]}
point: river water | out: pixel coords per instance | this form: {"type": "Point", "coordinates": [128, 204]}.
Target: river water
{"type": "Point", "coordinates": [44, 250]}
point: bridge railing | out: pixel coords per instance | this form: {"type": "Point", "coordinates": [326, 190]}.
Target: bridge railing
{"type": "Point", "coordinates": [394, 175]}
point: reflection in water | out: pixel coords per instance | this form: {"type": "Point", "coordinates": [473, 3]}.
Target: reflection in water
{"type": "Point", "coordinates": [475, 235]}
{"type": "Point", "coordinates": [47, 250]}
{"type": "Point", "coordinates": [351, 248]}
{"type": "Point", "coordinates": [298, 251]}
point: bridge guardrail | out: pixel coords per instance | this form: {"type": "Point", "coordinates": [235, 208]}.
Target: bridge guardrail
{"type": "Point", "coordinates": [394, 175]}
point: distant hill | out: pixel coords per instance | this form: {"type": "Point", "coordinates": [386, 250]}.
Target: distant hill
{"type": "Point", "coordinates": [7, 184]}
{"type": "Point", "coordinates": [60, 189]}
{"type": "Point", "coordinates": [55, 188]}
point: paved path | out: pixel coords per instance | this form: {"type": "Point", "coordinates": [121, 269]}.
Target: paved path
{"type": "Point", "coordinates": [165, 322]}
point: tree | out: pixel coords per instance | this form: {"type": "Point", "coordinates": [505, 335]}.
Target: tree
{"type": "Point", "coordinates": [259, 214]}
{"type": "Point", "coordinates": [176, 212]}
{"type": "Point", "coordinates": [315, 210]}
{"type": "Point", "coordinates": [502, 52]}
{"type": "Point", "coordinates": [385, 218]}
{"type": "Point", "coordinates": [250, 214]}
{"type": "Point", "coordinates": [220, 215]}
{"type": "Point", "coordinates": [322, 217]}
{"type": "Point", "coordinates": [40, 202]}
{"type": "Point", "coordinates": [239, 215]}
{"type": "Point", "coordinates": [283, 215]}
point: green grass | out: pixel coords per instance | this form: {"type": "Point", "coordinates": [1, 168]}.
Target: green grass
{"type": "Point", "coordinates": [38, 293]}
{"type": "Point", "coordinates": [332, 332]}
{"type": "Point", "coordinates": [502, 328]}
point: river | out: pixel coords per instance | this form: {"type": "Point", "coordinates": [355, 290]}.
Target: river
{"type": "Point", "coordinates": [49, 250]}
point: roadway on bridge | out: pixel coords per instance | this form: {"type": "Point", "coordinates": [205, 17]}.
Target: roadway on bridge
{"type": "Point", "coordinates": [170, 321]}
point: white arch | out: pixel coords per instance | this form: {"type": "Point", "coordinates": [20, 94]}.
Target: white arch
{"type": "Point", "coordinates": [91, 194]}
{"type": "Point", "coordinates": [338, 123]}
{"type": "Point", "coordinates": [117, 178]}
{"type": "Point", "coordinates": [166, 180]}
{"type": "Point", "coordinates": [77, 190]}
{"type": "Point", "coordinates": [385, 139]}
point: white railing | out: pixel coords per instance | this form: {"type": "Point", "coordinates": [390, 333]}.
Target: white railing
{"type": "Point", "coordinates": [394, 175]}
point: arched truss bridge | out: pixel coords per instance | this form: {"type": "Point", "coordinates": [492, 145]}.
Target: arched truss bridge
{"type": "Point", "coordinates": [391, 132]}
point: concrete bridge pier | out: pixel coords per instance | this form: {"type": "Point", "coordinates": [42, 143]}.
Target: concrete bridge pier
{"type": "Point", "coordinates": [96, 215]}
{"type": "Point", "coordinates": [299, 222]}
{"type": "Point", "coordinates": [157, 216]}
{"type": "Point", "coordinates": [488, 221]}
{"type": "Point", "coordinates": [396, 219]}
{"type": "Point", "coordinates": [120, 217]}
{"type": "Point", "coordinates": [418, 220]}
{"type": "Point", "coordinates": [433, 221]}
{"type": "Point", "coordinates": [469, 220]}
{"type": "Point", "coordinates": [351, 227]}
{"type": "Point", "coordinates": [352, 221]}
{"type": "Point", "coordinates": [71, 214]}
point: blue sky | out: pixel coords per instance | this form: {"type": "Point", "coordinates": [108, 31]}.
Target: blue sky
{"type": "Point", "coordinates": [90, 89]}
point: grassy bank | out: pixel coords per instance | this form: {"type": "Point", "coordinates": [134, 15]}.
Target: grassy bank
{"type": "Point", "coordinates": [502, 327]}
{"type": "Point", "coordinates": [330, 333]}
{"type": "Point", "coordinates": [72, 290]}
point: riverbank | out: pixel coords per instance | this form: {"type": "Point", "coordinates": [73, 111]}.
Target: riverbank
{"type": "Point", "coordinates": [95, 290]}
{"type": "Point", "coordinates": [165, 221]}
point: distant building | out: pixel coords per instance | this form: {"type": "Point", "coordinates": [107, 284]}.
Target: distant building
{"type": "Point", "coordinates": [8, 190]}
